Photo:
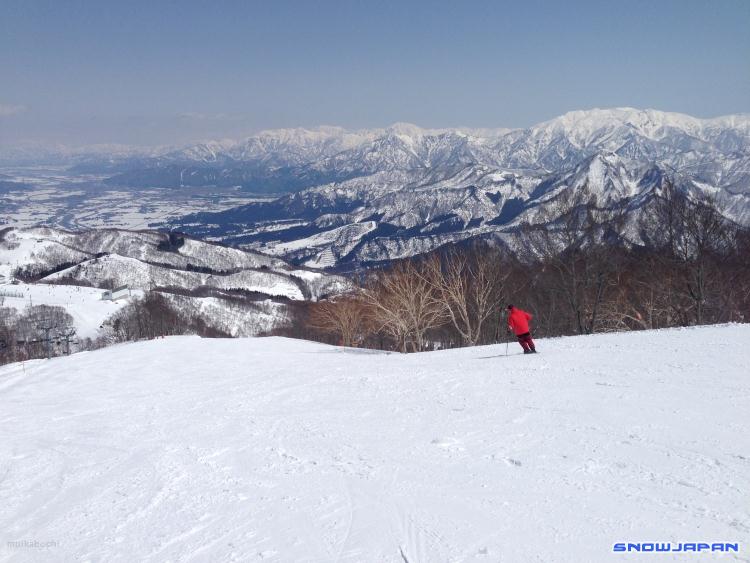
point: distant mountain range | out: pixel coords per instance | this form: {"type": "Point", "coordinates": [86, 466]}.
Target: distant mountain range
{"type": "Point", "coordinates": [372, 195]}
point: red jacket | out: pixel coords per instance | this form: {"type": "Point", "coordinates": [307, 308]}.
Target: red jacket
{"type": "Point", "coordinates": [518, 321]}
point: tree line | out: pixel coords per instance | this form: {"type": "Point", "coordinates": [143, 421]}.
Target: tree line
{"type": "Point", "coordinates": [572, 270]}
{"type": "Point", "coordinates": [45, 331]}
{"type": "Point", "coordinates": [38, 331]}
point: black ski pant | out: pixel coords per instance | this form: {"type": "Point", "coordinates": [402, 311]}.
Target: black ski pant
{"type": "Point", "coordinates": [526, 341]}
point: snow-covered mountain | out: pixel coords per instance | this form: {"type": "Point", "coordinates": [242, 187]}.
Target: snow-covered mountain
{"type": "Point", "coordinates": [287, 160]}
{"type": "Point", "coordinates": [185, 449]}
{"type": "Point", "coordinates": [370, 195]}
{"type": "Point", "coordinates": [401, 213]}
{"type": "Point", "coordinates": [306, 157]}
{"type": "Point", "coordinates": [636, 134]}
{"type": "Point", "coordinates": [209, 278]}
{"type": "Point", "coordinates": [405, 190]}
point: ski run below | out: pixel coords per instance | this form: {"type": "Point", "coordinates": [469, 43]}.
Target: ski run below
{"type": "Point", "coordinates": [189, 449]}
{"type": "Point", "coordinates": [84, 304]}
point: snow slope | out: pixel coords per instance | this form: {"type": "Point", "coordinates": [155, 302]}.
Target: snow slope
{"type": "Point", "coordinates": [32, 247]}
{"type": "Point", "coordinates": [120, 270]}
{"type": "Point", "coordinates": [234, 319]}
{"type": "Point", "coordinates": [115, 257]}
{"type": "Point", "coordinates": [84, 304]}
{"type": "Point", "coordinates": [238, 450]}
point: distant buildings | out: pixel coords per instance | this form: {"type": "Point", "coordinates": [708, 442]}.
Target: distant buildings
{"type": "Point", "coordinates": [115, 294]}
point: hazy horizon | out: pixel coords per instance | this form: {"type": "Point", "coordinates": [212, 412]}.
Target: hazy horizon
{"type": "Point", "coordinates": [148, 74]}
{"type": "Point", "coordinates": [51, 144]}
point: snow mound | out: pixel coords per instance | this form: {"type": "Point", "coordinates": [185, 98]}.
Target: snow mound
{"type": "Point", "coordinates": [189, 449]}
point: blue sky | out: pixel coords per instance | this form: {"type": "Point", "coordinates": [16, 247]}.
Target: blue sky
{"type": "Point", "coordinates": [166, 72]}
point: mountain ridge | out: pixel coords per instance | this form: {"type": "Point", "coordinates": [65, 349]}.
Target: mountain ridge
{"type": "Point", "coordinates": [31, 150]}
{"type": "Point", "coordinates": [361, 196]}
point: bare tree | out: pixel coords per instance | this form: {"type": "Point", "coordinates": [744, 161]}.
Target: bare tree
{"type": "Point", "coordinates": [345, 316]}
{"type": "Point", "coordinates": [691, 236]}
{"type": "Point", "coordinates": [573, 241]}
{"type": "Point", "coordinates": [403, 303]}
{"type": "Point", "coordinates": [469, 285]}
{"type": "Point", "coordinates": [8, 337]}
{"type": "Point", "coordinates": [149, 317]}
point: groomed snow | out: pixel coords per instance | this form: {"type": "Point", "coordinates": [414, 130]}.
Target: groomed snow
{"type": "Point", "coordinates": [186, 449]}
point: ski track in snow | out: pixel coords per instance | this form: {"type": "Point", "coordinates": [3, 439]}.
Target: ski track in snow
{"type": "Point", "coordinates": [185, 449]}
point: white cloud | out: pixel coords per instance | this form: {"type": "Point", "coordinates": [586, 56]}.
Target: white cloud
{"type": "Point", "coordinates": [9, 109]}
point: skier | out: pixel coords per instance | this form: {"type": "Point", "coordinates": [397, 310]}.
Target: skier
{"type": "Point", "coordinates": [518, 322]}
